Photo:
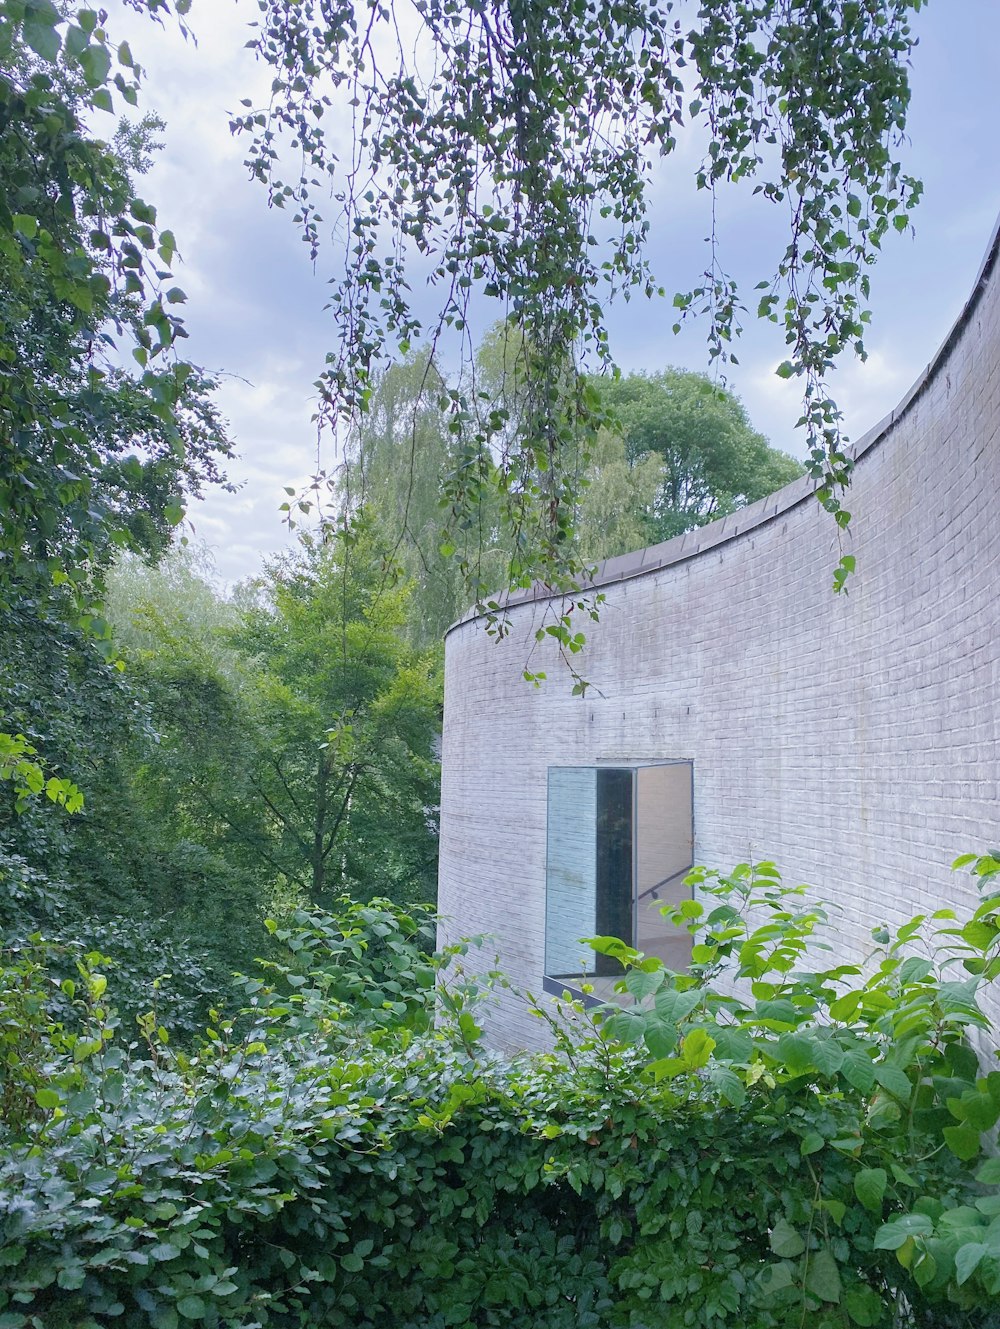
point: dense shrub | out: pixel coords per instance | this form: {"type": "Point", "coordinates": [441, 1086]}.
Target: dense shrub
{"type": "Point", "coordinates": [789, 1148]}
{"type": "Point", "coordinates": [147, 955]}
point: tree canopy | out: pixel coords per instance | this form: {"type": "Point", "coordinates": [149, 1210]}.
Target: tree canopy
{"type": "Point", "coordinates": [712, 460]}
{"type": "Point", "coordinates": [295, 726]}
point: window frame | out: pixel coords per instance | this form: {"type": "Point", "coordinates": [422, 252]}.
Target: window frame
{"type": "Point", "coordinates": [556, 985]}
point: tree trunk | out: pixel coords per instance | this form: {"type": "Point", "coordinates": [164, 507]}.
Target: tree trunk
{"type": "Point", "coordinates": [319, 823]}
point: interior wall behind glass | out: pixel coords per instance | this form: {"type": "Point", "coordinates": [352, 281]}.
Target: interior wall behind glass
{"type": "Point", "coordinates": [664, 851]}
{"type": "Point", "coordinates": [571, 874]}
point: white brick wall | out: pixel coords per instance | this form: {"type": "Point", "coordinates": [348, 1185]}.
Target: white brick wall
{"type": "Point", "coordinates": [854, 739]}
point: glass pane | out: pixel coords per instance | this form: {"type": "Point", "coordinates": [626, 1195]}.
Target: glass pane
{"type": "Point", "coordinates": [664, 849]}
{"type": "Point", "coordinates": [571, 871]}
{"type": "Point", "coordinates": [613, 911]}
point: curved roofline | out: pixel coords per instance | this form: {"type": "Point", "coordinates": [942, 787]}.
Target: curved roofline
{"type": "Point", "coordinates": [626, 567]}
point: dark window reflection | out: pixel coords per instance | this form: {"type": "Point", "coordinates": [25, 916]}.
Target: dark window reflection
{"type": "Point", "coordinates": [613, 887]}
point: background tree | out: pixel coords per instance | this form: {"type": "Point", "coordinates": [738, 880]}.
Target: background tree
{"type": "Point", "coordinates": [346, 780]}
{"type": "Point", "coordinates": [403, 456]}
{"type": "Point", "coordinates": [616, 508]}
{"type": "Point", "coordinates": [712, 459]}
{"type": "Point", "coordinates": [296, 728]}
{"type": "Point", "coordinates": [680, 451]}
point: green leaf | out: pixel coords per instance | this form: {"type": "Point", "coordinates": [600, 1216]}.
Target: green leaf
{"type": "Point", "coordinates": [674, 1006]}
{"type": "Point", "coordinates": [95, 62]}
{"type": "Point", "coordinates": [785, 1241]}
{"type": "Point", "coordinates": [894, 1081]}
{"type": "Point", "coordinates": [731, 1088]}
{"type": "Point", "coordinates": [845, 1007]}
{"type": "Point", "coordinates": [967, 1260]}
{"type": "Point", "coordinates": [640, 983]}
{"type": "Point", "coordinates": [192, 1307]}
{"type": "Point", "coordinates": [864, 1306]}
{"type": "Point", "coordinates": [978, 1109]}
{"type": "Point", "coordinates": [625, 1027]}
{"type": "Point", "coordinates": [963, 1141]}
{"type": "Point", "coordinates": [891, 1236]}
{"type": "Point", "coordinates": [796, 1051]}
{"type": "Point", "coordinates": [777, 1277]}
{"type": "Point", "coordinates": [828, 1056]}
{"type": "Point", "coordinates": [697, 1048]}
{"type": "Point", "coordinates": [989, 1173]}
{"type": "Point", "coordinates": [162, 1251]}
{"type": "Point", "coordinates": [823, 1276]}
{"type": "Point", "coordinates": [732, 1044]}
{"type": "Point", "coordinates": [869, 1187]}
{"type": "Point", "coordinates": [47, 1099]}
{"type": "Point", "coordinates": [858, 1071]}
{"type": "Point", "coordinates": [41, 35]}
{"type": "Point", "coordinates": [660, 1037]}
{"type": "Point", "coordinates": [27, 226]}
{"type": "Point", "coordinates": [924, 1268]}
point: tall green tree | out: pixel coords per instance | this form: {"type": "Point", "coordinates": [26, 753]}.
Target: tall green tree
{"type": "Point", "coordinates": [93, 457]}
{"type": "Point", "coordinates": [679, 451]}
{"type": "Point", "coordinates": [104, 432]}
{"type": "Point", "coordinates": [711, 458]}
{"type": "Point", "coordinates": [296, 727]}
{"type": "Point", "coordinates": [403, 458]}
{"type": "Point", "coordinates": [345, 781]}
{"type": "Point", "coordinates": [616, 509]}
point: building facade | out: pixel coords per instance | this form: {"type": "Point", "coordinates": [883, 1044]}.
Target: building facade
{"type": "Point", "coordinates": [854, 739]}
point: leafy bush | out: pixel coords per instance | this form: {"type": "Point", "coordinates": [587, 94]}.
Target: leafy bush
{"type": "Point", "coordinates": [704, 1153]}
{"type": "Point", "coordinates": [149, 959]}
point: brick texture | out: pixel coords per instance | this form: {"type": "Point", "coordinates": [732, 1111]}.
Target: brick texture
{"type": "Point", "coordinates": [854, 739]}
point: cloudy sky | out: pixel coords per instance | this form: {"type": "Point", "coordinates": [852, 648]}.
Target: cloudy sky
{"type": "Point", "coordinates": [255, 304]}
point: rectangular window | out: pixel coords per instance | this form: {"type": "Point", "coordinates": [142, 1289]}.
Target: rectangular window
{"type": "Point", "coordinates": [619, 847]}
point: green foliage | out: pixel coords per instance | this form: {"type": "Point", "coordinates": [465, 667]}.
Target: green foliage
{"type": "Point", "coordinates": [19, 763]}
{"type": "Point", "coordinates": [295, 726]}
{"type": "Point", "coordinates": [94, 456]}
{"type": "Point", "coordinates": [682, 452]}
{"type": "Point", "coordinates": [315, 1162]}
{"type": "Point", "coordinates": [118, 875]}
{"type": "Point", "coordinates": [506, 152]}
{"type": "Point", "coordinates": [403, 457]}
{"type": "Point", "coordinates": [713, 461]}
{"type": "Point", "coordinates": [145, 952]}
{"type": "Point", "coordinates": [255, 754]}
{"type": "Point", "coordinates": [617, 504]}
{"type": "Point", "coordinates": [372, 959]}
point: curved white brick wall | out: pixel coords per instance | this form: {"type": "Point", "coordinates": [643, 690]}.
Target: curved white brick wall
{"type": "Point", "coordinates": [853, 739]}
